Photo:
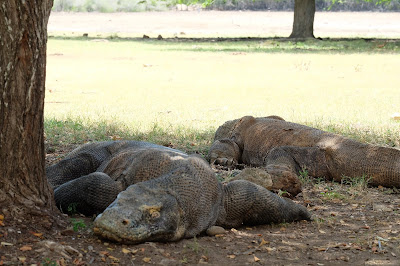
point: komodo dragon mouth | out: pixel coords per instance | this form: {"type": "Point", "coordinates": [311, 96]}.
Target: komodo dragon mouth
{"type": "Point", "coordinates": [138, 215]}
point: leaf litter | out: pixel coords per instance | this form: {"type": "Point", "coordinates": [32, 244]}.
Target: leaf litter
{"type": "Point", "coordinates": [362, 226]}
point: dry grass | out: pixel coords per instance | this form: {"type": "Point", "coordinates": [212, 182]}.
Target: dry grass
{"type": "Point", "coordinates": [141, 85]}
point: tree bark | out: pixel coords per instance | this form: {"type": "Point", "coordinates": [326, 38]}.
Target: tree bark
{"type": "Point", "coordinates": [23, 31]}
{"type": "Point", "coordinates": [303, 23]}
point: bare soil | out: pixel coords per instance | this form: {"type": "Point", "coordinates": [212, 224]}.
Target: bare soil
{"type": "Point", "coordinates": [225, 23]}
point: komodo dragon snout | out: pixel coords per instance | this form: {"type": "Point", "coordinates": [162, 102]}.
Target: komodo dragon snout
{"type": "Point", "coordinates": [141, 214]}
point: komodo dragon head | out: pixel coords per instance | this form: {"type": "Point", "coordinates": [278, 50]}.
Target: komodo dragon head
{"type": "Point", "coordinates": [141, 214]}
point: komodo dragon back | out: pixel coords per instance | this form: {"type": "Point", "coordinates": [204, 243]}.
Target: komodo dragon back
{"type": "Point", "coordinates": [152, 193]}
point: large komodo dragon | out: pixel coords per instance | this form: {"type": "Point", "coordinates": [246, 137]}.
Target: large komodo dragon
{"type": "Point", "coordinates": [163, 194]}
{"type": "Point", "coordinates": [283, 149]}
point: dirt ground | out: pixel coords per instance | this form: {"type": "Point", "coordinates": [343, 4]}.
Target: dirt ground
{"type": "Point", "coordinates": [226, 23]}
{"type": "Point", "coordinates": [352, 225]}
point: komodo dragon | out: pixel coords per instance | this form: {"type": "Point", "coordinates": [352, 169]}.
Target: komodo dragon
{"type": "Point", "coordinates": [163, 194]}
{"type": "Point", "coordinates": [283, 149]}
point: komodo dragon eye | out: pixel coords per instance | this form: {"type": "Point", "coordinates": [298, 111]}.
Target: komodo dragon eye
{"type": "Point", "coordinates": [152, 211]}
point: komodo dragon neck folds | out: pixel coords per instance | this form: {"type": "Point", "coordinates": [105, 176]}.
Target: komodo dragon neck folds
{"type": "Point", "coordinates": [283, 149]}
{"type": "Point", "coordinates": [148, 192]}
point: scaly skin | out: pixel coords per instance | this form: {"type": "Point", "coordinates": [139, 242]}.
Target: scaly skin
{"type": "Point", "coordinates": [285, 148]}
{"type": "Point", "coordinates": [147, 192]}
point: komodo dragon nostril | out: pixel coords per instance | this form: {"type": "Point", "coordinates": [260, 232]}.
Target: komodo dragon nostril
{"type": "Point", "coordinates": [125, 222]}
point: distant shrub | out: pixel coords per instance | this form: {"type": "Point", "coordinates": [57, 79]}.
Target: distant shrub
{"type": "Point", "coordinates": [278, 5]}
{"type": "Point", "coordinates": [321, 5]}
{"type": "Point", "coordinates": [108, 6]}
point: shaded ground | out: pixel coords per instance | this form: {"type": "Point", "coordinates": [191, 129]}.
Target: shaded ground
{"type": "Point", "coordinates": [352, 225]}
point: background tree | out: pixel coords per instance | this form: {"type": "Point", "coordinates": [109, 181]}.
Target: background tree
{"type": "Point", "coordinates": [304, 12]}
{"type": "Point", "coordinates": [303, 22]}
{"type": "Point", "coordinates": [23, 184]}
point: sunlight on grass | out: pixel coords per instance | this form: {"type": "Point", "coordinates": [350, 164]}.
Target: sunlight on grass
{"type": "Point", "coordinates": [141, 85]}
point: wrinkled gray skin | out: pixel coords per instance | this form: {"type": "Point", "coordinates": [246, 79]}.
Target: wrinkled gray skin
{"type": "Point", "coordinates": [148, 192]}
{"type": "Point", "coordinates": [283, 149]}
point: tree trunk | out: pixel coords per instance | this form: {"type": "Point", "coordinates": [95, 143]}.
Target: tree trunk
{"type": "Point", "coordinates": [23, 30]}
{"type": "Point", "coordinates": [303, 23]}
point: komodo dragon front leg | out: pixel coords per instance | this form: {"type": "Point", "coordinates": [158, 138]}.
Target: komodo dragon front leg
{"type": "Point", "coordinates": [77, 184]}
{"type": "Point", "coordinates": [285, 163]}
{"type": "Point", "coordinates": [80, 162]}
{"type": "Point", "coordinates": [89, 194]}
{"type": "Point", "coordinates": [282, 163]}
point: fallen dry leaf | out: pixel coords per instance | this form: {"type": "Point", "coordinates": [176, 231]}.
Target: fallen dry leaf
{"type": "Point", "coordinates": [134, 251]}
{"type": "Point", "coordinates": [256, 259]}
{"type": "Point", "coordinates": [270, 249]}
{"type": "Point", "coordinates": [40, 235]}
{"type": "Point", "coordinates": [231, 256]}
{"type": "Point", "coordinates": [263, 242]}
{"type": "Point", "coordinates": [105, 253]}
{"type": "Point", "coordinates": [125, 251]}
{"type": "Point", "coordinates": [77, 261]}
{"type": "Point", "coordinates": [114, 258]}
{"type": "Point", "coordinates": [25, 248]}
{"type": "Point", "coordinates": [147, 259]}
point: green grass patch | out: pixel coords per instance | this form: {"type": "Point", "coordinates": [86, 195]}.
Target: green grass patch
{"type": "Point", "coordinates": [78, 224]}
{"type": "Point", "coordinates": [251, 45]}
{"type": "Point", "coordinates": [77, 131]}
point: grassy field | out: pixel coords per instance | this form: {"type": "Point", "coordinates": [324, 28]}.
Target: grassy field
{"type": "Point", "coordinates": [180, 92]}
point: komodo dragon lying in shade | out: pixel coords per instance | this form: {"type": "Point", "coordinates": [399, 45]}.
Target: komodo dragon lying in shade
{"type": "Point", "coordinates": [284, 149]}
{"type": "Point", "coordinates": [158, 193]}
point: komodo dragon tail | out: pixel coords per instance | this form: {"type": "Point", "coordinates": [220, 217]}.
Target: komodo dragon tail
{"type": "Point", "coordinates": [349, 158]}
{"type": "Point", "coordinates": [246, 203]}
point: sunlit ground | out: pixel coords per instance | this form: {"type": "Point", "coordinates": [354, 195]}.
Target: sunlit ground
{"type": "Point", "coordinates": [140, 84]}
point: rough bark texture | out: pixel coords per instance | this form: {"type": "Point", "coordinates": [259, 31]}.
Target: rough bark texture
{"type": "Point", "coordinates": [303, 23]}
{"type": "Point", "coordinates": [23, 31]}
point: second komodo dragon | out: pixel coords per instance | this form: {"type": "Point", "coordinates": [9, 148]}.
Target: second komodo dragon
{"type": "Point", "coordinates": [283, 149]}
{"type": "Point", "coordinates": [159, 194]}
